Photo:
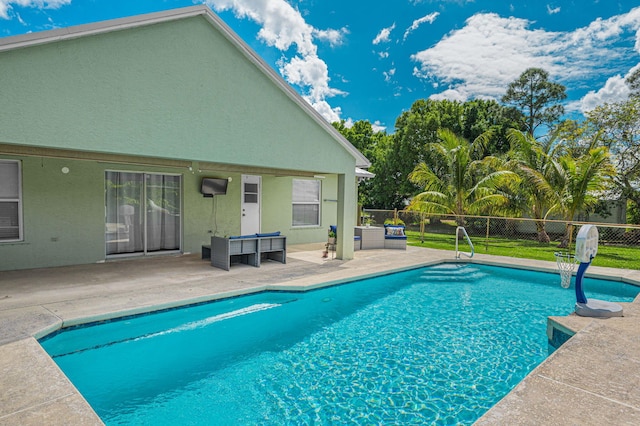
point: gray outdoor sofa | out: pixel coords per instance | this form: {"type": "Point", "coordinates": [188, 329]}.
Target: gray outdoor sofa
{"type": "Point", "coordinates": [247, 249]}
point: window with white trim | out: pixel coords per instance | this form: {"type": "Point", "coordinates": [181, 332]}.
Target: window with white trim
{"type": "Point", "coordinates": [10, 201]}
{"type": "Point", "coordinates": [306, 202]}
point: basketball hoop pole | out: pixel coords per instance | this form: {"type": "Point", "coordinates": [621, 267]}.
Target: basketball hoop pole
{"type": "Point", "coordinates": [586, 250]}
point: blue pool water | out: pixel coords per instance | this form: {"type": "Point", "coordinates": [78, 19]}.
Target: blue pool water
{"type": "Point", "coordinates": [434, 345]}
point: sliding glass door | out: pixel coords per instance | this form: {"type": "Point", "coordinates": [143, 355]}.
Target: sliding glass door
{"type": "Point", "coordinates": [142, 213]}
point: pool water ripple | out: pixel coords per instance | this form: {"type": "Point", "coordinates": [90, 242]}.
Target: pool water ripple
{"type": "Point", "coordinates": [439, 345]}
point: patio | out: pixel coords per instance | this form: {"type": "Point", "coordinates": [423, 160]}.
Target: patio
{"type": "Point", "coordinates": [35, 302]}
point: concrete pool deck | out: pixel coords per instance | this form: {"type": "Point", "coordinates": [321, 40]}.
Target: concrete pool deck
{"type": "Point", "coordinates": [592, 379]}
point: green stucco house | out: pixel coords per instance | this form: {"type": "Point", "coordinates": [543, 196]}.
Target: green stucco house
{"type": "Point", "coordinates": [108, 130]}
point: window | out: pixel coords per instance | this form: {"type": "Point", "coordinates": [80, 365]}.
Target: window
{"type": "Point", "coordinates": [10, 201]}
{"type": "Point", "coordinates": [251, 193]}
{"type": "Point", "coordinates": [306, 202]}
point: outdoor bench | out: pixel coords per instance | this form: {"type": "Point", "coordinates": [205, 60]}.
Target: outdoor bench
{"type": "Point", "coordinates": [273, 246]}
{"type": "Point", "coordinates": [247, 249]}
{"type": "Point", "coordinates": [394, 237]}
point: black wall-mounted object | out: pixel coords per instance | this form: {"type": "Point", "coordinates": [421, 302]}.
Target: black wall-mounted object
{"type": "Point", "coordinates": [213, 186]}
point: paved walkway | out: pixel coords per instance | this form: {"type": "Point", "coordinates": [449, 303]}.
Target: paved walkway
{"type": "Point", "coordinates": [592, 379]}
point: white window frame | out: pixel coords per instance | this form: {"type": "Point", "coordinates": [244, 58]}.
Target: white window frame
{"type": "Point", "coordinates": [16, 200]}
{"type": "Point", "coordinates": [299, 202]}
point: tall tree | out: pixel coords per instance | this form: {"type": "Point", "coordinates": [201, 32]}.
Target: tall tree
{"type": "Point", "coordinates": [361, 135]}
{"type": "Point", "coordinates": [537, 98]}
{"type": "Point", "coordinates": [416, 128]}
{"type": "Point", "coordinates": [464, 184]}
{"type": "Point", "coordinates": [582, 180]}
{"type": "Point", "coordinates": [618, 125]}
{"type": "Point", "coordinates": [482, 115]}
{"type": "Point", "coordinates": [420, 125]}
{"type": "Point", "coordinates": [534, 161]}
{"type": "Point", "coordinates": [633, 81]}
{"type": "Point", "coordinates": [375, 192]}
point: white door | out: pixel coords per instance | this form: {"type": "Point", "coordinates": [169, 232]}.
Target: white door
{"type": "Point", "coordinates": [250, 221]}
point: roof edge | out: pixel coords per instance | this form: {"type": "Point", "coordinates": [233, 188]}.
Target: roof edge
{"type": "Point", "coordinates": [77, 31]}
{"type": "Point", "coordinates": [361, 160]}
{"type": "Point", "coordinates": [95, 28]}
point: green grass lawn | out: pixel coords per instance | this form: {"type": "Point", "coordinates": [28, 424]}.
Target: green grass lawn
{"type": "Point", "coordinates": [610, 256]}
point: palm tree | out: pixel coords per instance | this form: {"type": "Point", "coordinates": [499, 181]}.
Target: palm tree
{"type": "Point", "coordinates": [462, 182]}
{"type": "Point", "coordinates": [534, 162]}
{"type": "Point", "coordinates": [582, 179]}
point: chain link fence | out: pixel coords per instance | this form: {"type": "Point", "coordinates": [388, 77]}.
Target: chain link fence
{"type": "Point", "coordinates": [519, 237]}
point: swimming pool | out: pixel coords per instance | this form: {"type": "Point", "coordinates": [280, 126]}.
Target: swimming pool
{"type": "Point", "coordinates": [434, 345]}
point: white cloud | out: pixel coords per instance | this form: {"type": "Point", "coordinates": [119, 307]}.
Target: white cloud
{"type": "Point", "coordinates": [5, 5]}
{"type": "Point", "coordinates": [489, 52]}
{"type": "Point", "coordinates": [428, 18]}
{"type": "Point", "coordinates": [389, 74]}
{"type": "Point", "coordinates": [378, 127]}
{"type": "Point", "coordinates": [383, 35]}
{"type": "Point", "coordinates": [452, 95]}
{"type": "Point", "coordinates": [334, 37]}
{"type": "Point", "coordinates": [383, 55]}
{"type": "Point", "coordinates": [553, 11]}
{"type": "Point", "coordinates": [283, 27]}
{"type": "Point", "coordinates": [614, 90]}
{"type": "Point", "coordinates": [311, 72]}
{"type": "Point", "coordinates": [330, 114]}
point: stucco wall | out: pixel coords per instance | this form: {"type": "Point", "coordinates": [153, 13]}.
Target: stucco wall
{"type": "Point", "coordinates": [64, 214]}
{"type": "Point", "coordinates": [278, 216]}
{"type": "Point", "coordinates": [175, 90]}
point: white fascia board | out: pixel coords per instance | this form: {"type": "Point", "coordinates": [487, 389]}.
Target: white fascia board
{"type": "Point", "coordinates": [364, 173]}
{"type": "Point", "coordinates": [60, 34]}
{"type": "Point", "coordinates": [361, 160]}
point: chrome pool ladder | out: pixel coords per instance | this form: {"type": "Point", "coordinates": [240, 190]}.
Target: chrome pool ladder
{"type": "Point", "coordinates": [464, 232]}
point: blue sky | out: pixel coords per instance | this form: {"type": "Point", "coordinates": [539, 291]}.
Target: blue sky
{"type": "Point", "coordinates": [357, 60]}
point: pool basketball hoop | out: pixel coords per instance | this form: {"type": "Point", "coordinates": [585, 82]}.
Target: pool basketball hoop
{"type": "Point", "coordinates": [566, 264]}
{"type": "Point", "coordinates": [586, 250]}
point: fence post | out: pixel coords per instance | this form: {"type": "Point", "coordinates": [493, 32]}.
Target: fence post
{"type": "Point", "coordinates": [570, 236]}
{"type": "Point", "coordinates": [486, 243]}
{"type": "Point", "coordinates": [395, 216]}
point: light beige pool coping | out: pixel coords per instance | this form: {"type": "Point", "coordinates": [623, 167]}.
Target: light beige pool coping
{"type": "Point", "coordinates": [592, 379]}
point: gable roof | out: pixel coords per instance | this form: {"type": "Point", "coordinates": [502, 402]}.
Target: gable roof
{"type": "Point", "coordinates": [39, 38]}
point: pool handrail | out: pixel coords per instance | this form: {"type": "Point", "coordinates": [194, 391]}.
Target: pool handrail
{"type": "Point", "coordinates": [464, 232]}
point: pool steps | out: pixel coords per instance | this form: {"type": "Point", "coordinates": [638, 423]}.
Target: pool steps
{"type": "Point", "coordinates": [446, 273]}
